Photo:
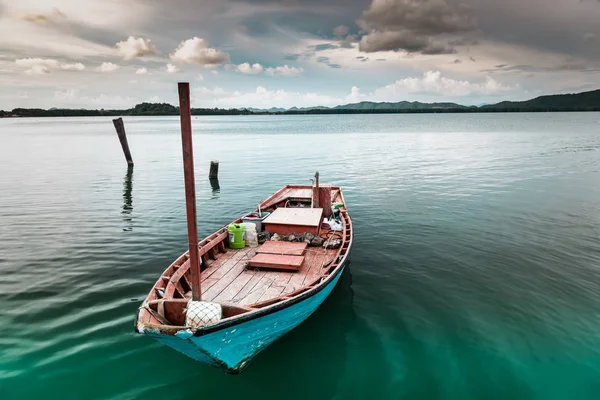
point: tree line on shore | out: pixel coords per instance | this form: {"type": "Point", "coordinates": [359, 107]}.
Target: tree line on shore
{"type": "Point", "coordinates": [586, 101]}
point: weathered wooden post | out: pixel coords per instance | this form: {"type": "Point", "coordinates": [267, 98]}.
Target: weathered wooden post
{"type": "Point", "coordinates": [315, 193]}
{"type": "Point", "coordinates": [214, 170]}
{"type": "Point", "coordinates": [190, 186]}
{"type": "Point", "coordinates": [120, 127]}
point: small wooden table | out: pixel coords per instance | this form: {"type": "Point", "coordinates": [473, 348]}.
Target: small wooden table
{"type": "Point", "coordinates": [294, 220]}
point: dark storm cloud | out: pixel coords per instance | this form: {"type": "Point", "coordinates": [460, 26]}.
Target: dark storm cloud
{"type": "Point", "coordinates": [567, 27]}
{"type": "Point", "coordinates": [465, 41]}
{"type": "Point", "coordinates": [402, 40]}
{"type": "Point", "coordinates": [559, 28]}
{"type": "Point", "coordinates": [426, 17]}
{"type": "Point", "coordinates": [412, 26]}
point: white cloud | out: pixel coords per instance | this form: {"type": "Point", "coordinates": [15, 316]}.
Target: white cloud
{"type": "Point", "coordinates": [589, 37]}
{"type": "Point", "coordinates": [261, 98]}
{"type": "Point", "coordinates": [108, 67]}
{"type": "Point", "coordinates": [200, 77]}
{"type": "Point", "coordinates": [74, 98]}
{"type": "Point", "coordinates": [73, 67]}
{"type": "Point", "coordinates": [214, 72]}
{"type": "Point", "coordinates": [37, 66]}
{"type": "Point", "coordinates": [434, 83]}
{"type": "Point", "coordinates": [43, 18]}
{"type": "Point", "coordinates": [196, 51]}
{"type": "Point", "coordinates": [173, 69]}
{"type": "Point", "coordinates": [135, 47]}
{"type": "Point", "coordinates": [141, 71]}
{"type": "Point", "coordinates": [42, 66]}
{"type": "Point", "coordinates": [246, 68]}
{"type": "Point", "coordinates": [355, 95]}
{"type": "Point", "coordinates": [153, 99]}
{"type": "Point", "coordinates": [284, 71]}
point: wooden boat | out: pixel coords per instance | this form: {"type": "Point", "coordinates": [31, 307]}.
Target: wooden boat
{"type": "Point", "coordinates": [264, 291]}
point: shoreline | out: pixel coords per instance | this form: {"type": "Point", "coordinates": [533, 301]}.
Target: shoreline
{"type": "Point", "coordinates": [36, 113]}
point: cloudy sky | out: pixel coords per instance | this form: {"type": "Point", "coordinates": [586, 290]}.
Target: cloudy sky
{"type": "Point", "coordinates": [264, 53]}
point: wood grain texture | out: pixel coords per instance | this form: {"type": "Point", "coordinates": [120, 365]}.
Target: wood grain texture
{"type": "Point", "coordinates": [276, 261]}
{"type": "Point", "coordinates": [286, 248]}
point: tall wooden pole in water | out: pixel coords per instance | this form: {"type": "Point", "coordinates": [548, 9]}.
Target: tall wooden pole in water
{"type": "Point", "coordinates": [120, 127]}
{"type": "Point", "coordinates": [190, 186]}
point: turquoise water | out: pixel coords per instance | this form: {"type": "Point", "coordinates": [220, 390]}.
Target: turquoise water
{"type": "Point", "coordinates": [475, 272]}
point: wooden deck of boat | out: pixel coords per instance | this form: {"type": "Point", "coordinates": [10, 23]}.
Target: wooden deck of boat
{"type": "Point", "coordinates": [227, 279]}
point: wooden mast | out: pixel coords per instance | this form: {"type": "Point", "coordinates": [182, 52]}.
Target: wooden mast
{"type": "Point", "coordinates": [315, 201]}
{"type": "Point", "coordinates": [190, 186]}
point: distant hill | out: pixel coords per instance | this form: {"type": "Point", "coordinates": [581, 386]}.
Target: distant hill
{"type": "Point", "coordinates": [576, 101]}
{"type": "Point", "coordinates": [262, 110]}
{"type": "Point", "coordinates": [586, 101]}
{"type": "Point", "coordinates": [402, 105]}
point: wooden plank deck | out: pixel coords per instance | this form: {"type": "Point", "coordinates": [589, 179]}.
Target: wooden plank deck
{"type": "Point", "coordinates": [285, 248]}
{"type": "Point", "coordinates": [229, 279]}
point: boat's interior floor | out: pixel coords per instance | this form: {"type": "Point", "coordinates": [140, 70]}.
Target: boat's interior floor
{"type": "Point", "coordinates": [228, 278]}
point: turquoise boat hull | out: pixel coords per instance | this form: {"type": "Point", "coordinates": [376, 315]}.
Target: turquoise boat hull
{"type": "Point", "coordinates": [233, 347]}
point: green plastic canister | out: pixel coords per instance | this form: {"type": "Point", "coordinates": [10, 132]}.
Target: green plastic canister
{"type": "Point", "coordinates": [236, 236]}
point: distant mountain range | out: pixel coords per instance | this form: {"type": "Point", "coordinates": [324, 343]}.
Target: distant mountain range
{"type": "Point", "coordinates": [578, 100]}
{"type": "Point", "coordinates": [586, 101]}
{"type": "Point", "coordinates": [401, 105]}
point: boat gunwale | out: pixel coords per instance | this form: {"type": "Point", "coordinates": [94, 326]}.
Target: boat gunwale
{"type": "Point", "coordinates": [272, 308]}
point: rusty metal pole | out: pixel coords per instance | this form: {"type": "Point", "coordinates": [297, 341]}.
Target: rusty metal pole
{"type": "Point", "coordinates": [120, 127]}
{"type": "Point", "coordinates": [190, 186]}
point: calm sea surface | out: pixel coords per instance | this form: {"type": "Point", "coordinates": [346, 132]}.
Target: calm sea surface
{"type": "Point", "coordinates": [475, 272]}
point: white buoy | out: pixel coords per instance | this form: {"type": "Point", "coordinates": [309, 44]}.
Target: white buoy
{"type": "Point", "coordinates": [202, 313]}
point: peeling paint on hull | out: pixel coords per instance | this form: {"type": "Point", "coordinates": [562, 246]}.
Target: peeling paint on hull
{"type": "Point", "coordinates": [233, 348]}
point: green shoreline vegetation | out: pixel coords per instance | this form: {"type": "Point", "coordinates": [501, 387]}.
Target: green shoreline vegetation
{"type": "Point", "coordinates": [586, 101]}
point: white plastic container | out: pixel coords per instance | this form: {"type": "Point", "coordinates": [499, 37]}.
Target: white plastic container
{"type": "Point", "coordinates": [250, 235]}
{"type": "Point", "coordinates": [256, 219]}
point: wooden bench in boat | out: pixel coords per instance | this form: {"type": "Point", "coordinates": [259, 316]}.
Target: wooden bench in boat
{"type": "Point", "coordinates": [283, 248]}
{"type": "Point", "coordinates": [279, 255]}
{"type": "Point", "coordinates": [276, 261]}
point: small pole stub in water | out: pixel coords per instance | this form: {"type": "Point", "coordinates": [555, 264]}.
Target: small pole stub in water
{"type": "Point", "coordinates": [120, 127]}
{"type": "Point", "coordinates": [214, 170]}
